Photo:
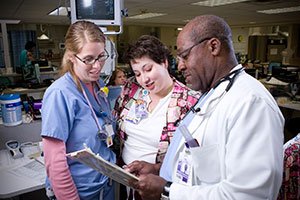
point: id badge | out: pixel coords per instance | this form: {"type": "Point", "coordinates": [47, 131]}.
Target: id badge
{"type": "Point", "coordinates": [110, 132]}
{"type": "Point", "coordinates": [137, 111]}
{"type": "Point", "coordinates": [141, 109]}
{"type": "Point", "coordinates": [184, 168]}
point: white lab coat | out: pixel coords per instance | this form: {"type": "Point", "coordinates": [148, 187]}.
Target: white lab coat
{"type": "Point", "coordinates": [240, 154]}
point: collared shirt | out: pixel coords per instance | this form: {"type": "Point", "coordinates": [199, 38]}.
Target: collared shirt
{"type": "Point", "coordinates": [240, 137]}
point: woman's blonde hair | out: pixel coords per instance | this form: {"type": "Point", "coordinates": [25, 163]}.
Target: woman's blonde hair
{"type": "Point", "coordinates": [77, 35]}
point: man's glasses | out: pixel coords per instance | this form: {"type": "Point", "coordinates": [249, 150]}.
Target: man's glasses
{"type": "Point", "coordinates": [92, 61]}
{"type": "Point", "coordinates": [183, 56]}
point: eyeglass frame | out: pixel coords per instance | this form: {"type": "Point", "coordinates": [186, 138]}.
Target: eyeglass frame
{"type": "Point", "coordinates": [105, 56]}
{"type": "Point", "coordinates": [188, 50]}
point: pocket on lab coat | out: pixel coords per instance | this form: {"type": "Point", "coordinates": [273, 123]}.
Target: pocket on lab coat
{"type": "Point", "coordinates": [206, 164]}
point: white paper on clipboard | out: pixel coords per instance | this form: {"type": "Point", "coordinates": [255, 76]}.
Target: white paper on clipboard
{"type": "Point", "coordinates": [89, 158]}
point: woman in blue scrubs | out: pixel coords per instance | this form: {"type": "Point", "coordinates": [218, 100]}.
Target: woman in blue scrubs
{"type": "Point", "coordinates": [76, 112]}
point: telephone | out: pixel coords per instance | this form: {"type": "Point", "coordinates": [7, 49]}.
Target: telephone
{"type": "Point", "coordinates": [14, 148]}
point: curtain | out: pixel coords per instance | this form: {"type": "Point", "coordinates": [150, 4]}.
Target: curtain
{"type": "Point", "coordinates": [17, 41]}
{"type": "Point", "coordinates": [2, 65]}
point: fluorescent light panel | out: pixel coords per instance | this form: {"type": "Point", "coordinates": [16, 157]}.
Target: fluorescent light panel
{"type": "Point", "coordinates": [9, 21]}
{"type": "Point", "coordinates": [60, 11]}
{"type": "Point", "coordinates": [212, 3]}
{"type": "Point", "coordinates": [146, 15]}
{"type": "Point", "coordinates": [87, 3]}
{"type": "Point", "coordinates": [280, 10]}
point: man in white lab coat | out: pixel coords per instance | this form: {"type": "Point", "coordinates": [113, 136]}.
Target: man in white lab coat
{"type": "Point", "coordinates": [230, 145]}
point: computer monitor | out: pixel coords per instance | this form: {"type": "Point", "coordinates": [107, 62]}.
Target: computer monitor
{"type": "Point", "coordinates": [274, 66]}
{"type": "Point", "coordinates": [284, 74]}
{"type": "Point", "coordinates": [101, 12]}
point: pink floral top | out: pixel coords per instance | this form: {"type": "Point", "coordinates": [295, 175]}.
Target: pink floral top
{"type": "Point", "coordinates": [182, 99]}
{"type": "Point", "coordinates": [290, 188]}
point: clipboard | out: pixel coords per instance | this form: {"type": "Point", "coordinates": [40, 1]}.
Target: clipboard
{"type": "Point", "coordinates": [89, 158]}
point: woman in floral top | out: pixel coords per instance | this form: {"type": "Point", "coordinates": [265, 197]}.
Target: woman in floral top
{"type": "Point", "coordinates": [290, 189]}
{"type": "Point", "coordinates": [150, 106]}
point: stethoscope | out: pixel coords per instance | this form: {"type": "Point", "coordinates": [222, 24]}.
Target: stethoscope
{"type": "Point", "coordinates": [102, 133]}
{"type": "Point", "coordinates": [196, 109]}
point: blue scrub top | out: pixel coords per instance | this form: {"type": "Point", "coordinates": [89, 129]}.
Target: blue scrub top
{"type": "Point", "coordinates": [23, 58]}
{"type": "Point", "coordinates": [66, 116]}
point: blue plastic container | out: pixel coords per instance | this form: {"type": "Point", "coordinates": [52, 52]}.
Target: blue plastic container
{"type": "Point", "coordinates": [11, 107]}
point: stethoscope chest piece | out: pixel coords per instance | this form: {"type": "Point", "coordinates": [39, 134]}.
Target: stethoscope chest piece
{"type": "Point", "coordinates": [102, 135]}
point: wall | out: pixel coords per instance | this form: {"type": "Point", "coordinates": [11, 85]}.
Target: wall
{"type": "Point", "coordinates": [294, 44]}
{"type": "Point", "coordinates": [168, 36]}
{"type": "Point", "coordinates": [289, 32]}
{"type": "Point", "coordinates": [240, 40]}
{"type": "Point", "coordinates": [131, 34]}
{"type": "Point", "coordinates": [56, 33]}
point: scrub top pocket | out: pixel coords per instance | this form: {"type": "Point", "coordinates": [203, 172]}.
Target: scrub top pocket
{"type": "Point", "coordinates": [206, 164]}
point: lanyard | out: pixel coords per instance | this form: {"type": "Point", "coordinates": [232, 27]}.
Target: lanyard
{"type": "Point", "coordinates": [102, 133]}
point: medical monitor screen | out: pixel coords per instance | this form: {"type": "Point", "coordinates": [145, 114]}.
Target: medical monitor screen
{"type": "Point", "coordinates": [101, 12]}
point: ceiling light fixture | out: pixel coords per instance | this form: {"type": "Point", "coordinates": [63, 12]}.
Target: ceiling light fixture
{"type": "Point", "coordinates": [60, 11]}
{"type": "Point", "coordinates": [210, 3]}
{"type": "Point", "coordinates": [43, 37]}
{"type": "Point", "coordinates": [146, 15]}
{"type": "Point", "coordinates": [280, 10]}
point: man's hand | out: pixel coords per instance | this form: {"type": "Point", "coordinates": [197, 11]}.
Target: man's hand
{"type": "Point", "coordinates": [149, 186]}
{"type": "Point", "coordinates": [141, 167]}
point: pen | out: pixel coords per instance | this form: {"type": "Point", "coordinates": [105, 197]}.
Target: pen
{"type": "Point", "coordinates": [190, 141]}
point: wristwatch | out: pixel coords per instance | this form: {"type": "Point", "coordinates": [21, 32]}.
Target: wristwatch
{"type": "Point", "coordinates": [166, 191]}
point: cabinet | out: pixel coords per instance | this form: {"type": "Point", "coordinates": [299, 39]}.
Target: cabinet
{"type": "Point", "coordinates": [275, 46]}
{"type": "Point", "coordinates": [294, 44]}
{"type": "Point", "coordinates": [257, 47]}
